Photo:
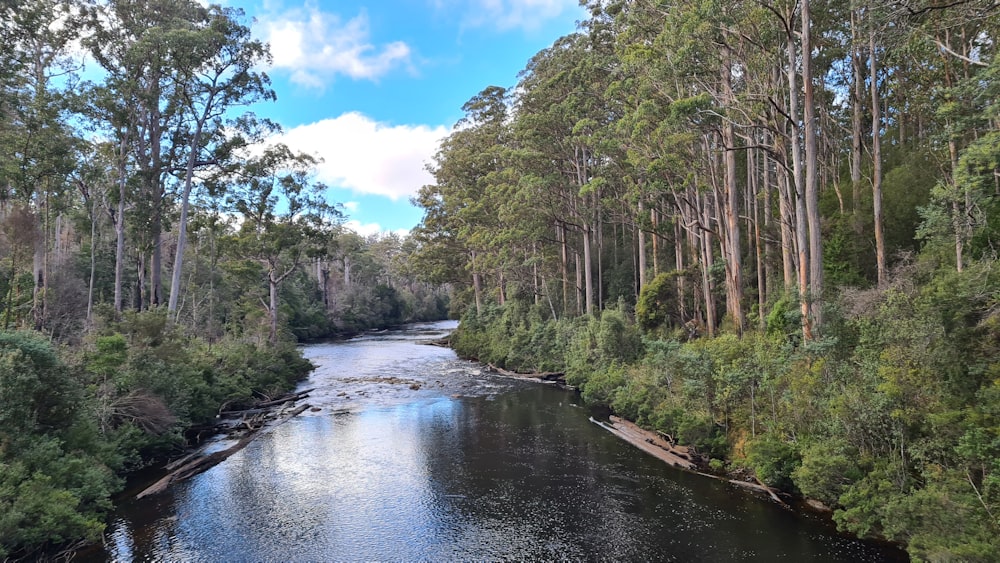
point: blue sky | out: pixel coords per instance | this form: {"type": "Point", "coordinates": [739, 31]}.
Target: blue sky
{"type": "Point", "coordinates": [372, 86]}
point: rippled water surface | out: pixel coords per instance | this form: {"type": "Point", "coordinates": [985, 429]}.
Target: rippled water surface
{"type": "Point", "coordinates": [416, 455]}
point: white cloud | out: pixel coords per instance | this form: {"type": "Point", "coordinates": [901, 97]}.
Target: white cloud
{"type": "Point", "coordinates": [368, 229]}
{"type": "Point", "coordinates": [351, 206]}
{"type": "Point", "coordinates": [509, 14]}
{"type": "Point", "coordinates": [314, 46]}
{"type": "Point", "coordinates": [369, 157]}
{"type": "Point", "coordinates": [363, 229]}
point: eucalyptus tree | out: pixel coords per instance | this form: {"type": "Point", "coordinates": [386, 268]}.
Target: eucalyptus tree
{"type": "Point", "coordinates": [284, 219]}
{"type": "Point", "coordinates": [217, 66]}
{"type": "Point", "coordinates": [814, 288]}
{"type": "Point", "coordinates": [562, 116]}
{"type": "Point", "coordinates": [36, 139]}
{"type": "Point", "coordinates": [696, 76]}
{"type": "Point", "coordinates": [962, 40]}
{"type": "Point", "coordinates": [661, 130]}
{"type": "Point", "coordinates": [145, 48]}
{"type": "Point", "coordinates": [461, 207]}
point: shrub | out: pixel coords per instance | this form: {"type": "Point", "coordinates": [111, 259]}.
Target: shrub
{"type": "Point", "coordinates": [773, 460]}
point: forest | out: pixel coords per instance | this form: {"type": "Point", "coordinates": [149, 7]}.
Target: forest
{"type": "Point", "coordinates": [767, 228]}
{"type": "Point", "coordinates": [160, 256]}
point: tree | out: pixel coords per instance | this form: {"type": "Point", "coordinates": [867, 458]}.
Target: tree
{"type": "Point", "coordinates": [147, 49]}
{"type": "Point", "coordinates": [218, 74]}
{"type": "Point", "coordinates": [458, 206]}
{"type": "Point", "coordinates": [35, 139]}
{"type": "Point", "coordinates": [284, 219]}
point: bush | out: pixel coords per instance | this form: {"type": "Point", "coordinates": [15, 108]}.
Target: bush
{"type": "Point", "coordinates": [773, 460]}
{"type": "Point", "coordinates": [657, 304]}
{"type": "Point", "coordinates": [827, 469]}
{"type": "Point", "coordinates": [53, 485]}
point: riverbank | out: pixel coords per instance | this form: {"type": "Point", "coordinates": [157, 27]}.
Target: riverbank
{"type": "Point", "coordinates": [469, 466]}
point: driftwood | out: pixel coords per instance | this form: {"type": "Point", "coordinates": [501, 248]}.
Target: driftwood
{"type": "Point", "coordinates": [286, 398]}
{"type": "Point", "coordinates": [649, 442]}
{"type": "Point", "coordinates": [266, 405]}
{"type": "Point", "coordinates": [545, 376]}
{"type": "Point", "coordinates": [678, 456]}
{"type": "Point", "coordinates": [182, 460]}
{"type": "Point", "coordinates": [198, 462]}
{"type": "Point", "coordinates": [195, 467]}
{"type": "Point", "coordinates": [755, 486]}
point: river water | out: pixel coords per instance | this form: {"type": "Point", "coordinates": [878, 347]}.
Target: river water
{"type": "Point", "coordinates": [415, 455]}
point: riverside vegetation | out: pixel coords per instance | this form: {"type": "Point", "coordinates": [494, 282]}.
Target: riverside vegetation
{"type": "Point", "coordinates": [158, 258]}
{"type": "Point", "coordinates": [766, 228]}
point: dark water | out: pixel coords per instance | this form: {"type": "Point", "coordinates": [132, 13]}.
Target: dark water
{"type": "Point", "coordinates": [418, 456]}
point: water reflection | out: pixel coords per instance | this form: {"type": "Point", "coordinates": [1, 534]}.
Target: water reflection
{"type": "Point", "coordinates": [506, 470]}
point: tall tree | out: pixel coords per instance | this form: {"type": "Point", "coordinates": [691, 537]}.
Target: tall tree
{"type": "Point", "coordinates": [145, 47]}
{"type": "Point", "coordinates": [814, 288]}
{"type": "Point", "coordinates": [218, 70]}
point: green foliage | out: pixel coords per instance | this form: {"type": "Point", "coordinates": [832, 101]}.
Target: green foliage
{"type": "Point", "coordinates": [66, 429]}
{"type": "Point", "coordinates": [828, 467]}
{"type": "Point", "coordinates": [656, 301]}
{"type": "Point", "coordinates": [894, 415]}
{"type": "Point", "coordinates": [54, 486]}
{"type": "Point", "coordinates": [514, 337]}
{"type": "Point", "coordinates": [847, 258]}
{"type": "Point", "coordinates": [600, 343]}
{"type": "Point", "coordinates": [37, 393]}
{"type": "Point", "coordinates": [773, 460]}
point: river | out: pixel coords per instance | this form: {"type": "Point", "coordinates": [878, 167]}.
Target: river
{"type": "Point", "coordinates": [415, 455]}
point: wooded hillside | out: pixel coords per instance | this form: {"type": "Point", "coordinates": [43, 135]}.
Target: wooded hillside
{"type": "Point", "coordinates": [766, 227]}
{"type": "Point", "coordinates": [159, 254]}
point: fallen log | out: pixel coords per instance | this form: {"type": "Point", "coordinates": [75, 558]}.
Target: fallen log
{"type": "Point", "coordinates": [546, 376]}
{"type": "Point", "coordinates": [299, 395]}
{"type": "Point", "coordinates": [265, 405]}
{"type": "Point", "coordinates": [678, 456]}
{"type": "Point", "coordinates": [194, 467]}
{"type": "Point", "coordinates": [646, 441]}
{"type": "Point", "coordinates": [182, 460]}
{"type": "Point", "coordinates": [758, 486]}
{"type": "Point", "coordinates": [191, 465]}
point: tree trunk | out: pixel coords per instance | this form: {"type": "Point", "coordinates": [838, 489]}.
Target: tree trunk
{"type": "Point", "coordinates": [272, 336]}
{"type": "Point", "coordinates": [757, 242]}
{"type": "Point", "coordinates": [588, 275]}
{"type": "Point", "coordinates": [564, 264]}
{"type": "Point", "coordinates": [599, 246]}
{"type": "Point", "coordinates": [707, 263]}
{"type": "Point", "coordinates": [786, 223]}
{"type": "Point", "coordinates": [802, 242]}
{"type": "Point", "coordinates": [655, 221]}
{"type": "Point", "coordinates": [769, 250]}
{"type": "Point", "coordinates": [175, 279]}
{"type": "Point", "coordinates": [93, 260]}
{"type": "Point", "coordinates": [812, 180]}
{"type": "Point", "coordinates": [857, 101]}
{"type": "Point", "coordinates": [876, 162]}
{"type": "Point", "coordinates": [679, 266]}
{"type": "Point", "coordinates": [477, 285]}
{"type": "Point", "coordinates": [119, 221]}
{"type": "Point", "coordinates": [731, 239]}
{"type": "Point", "coordinates": [641, 235]}
{"type": "Point", "coordinates": [579, 283]}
